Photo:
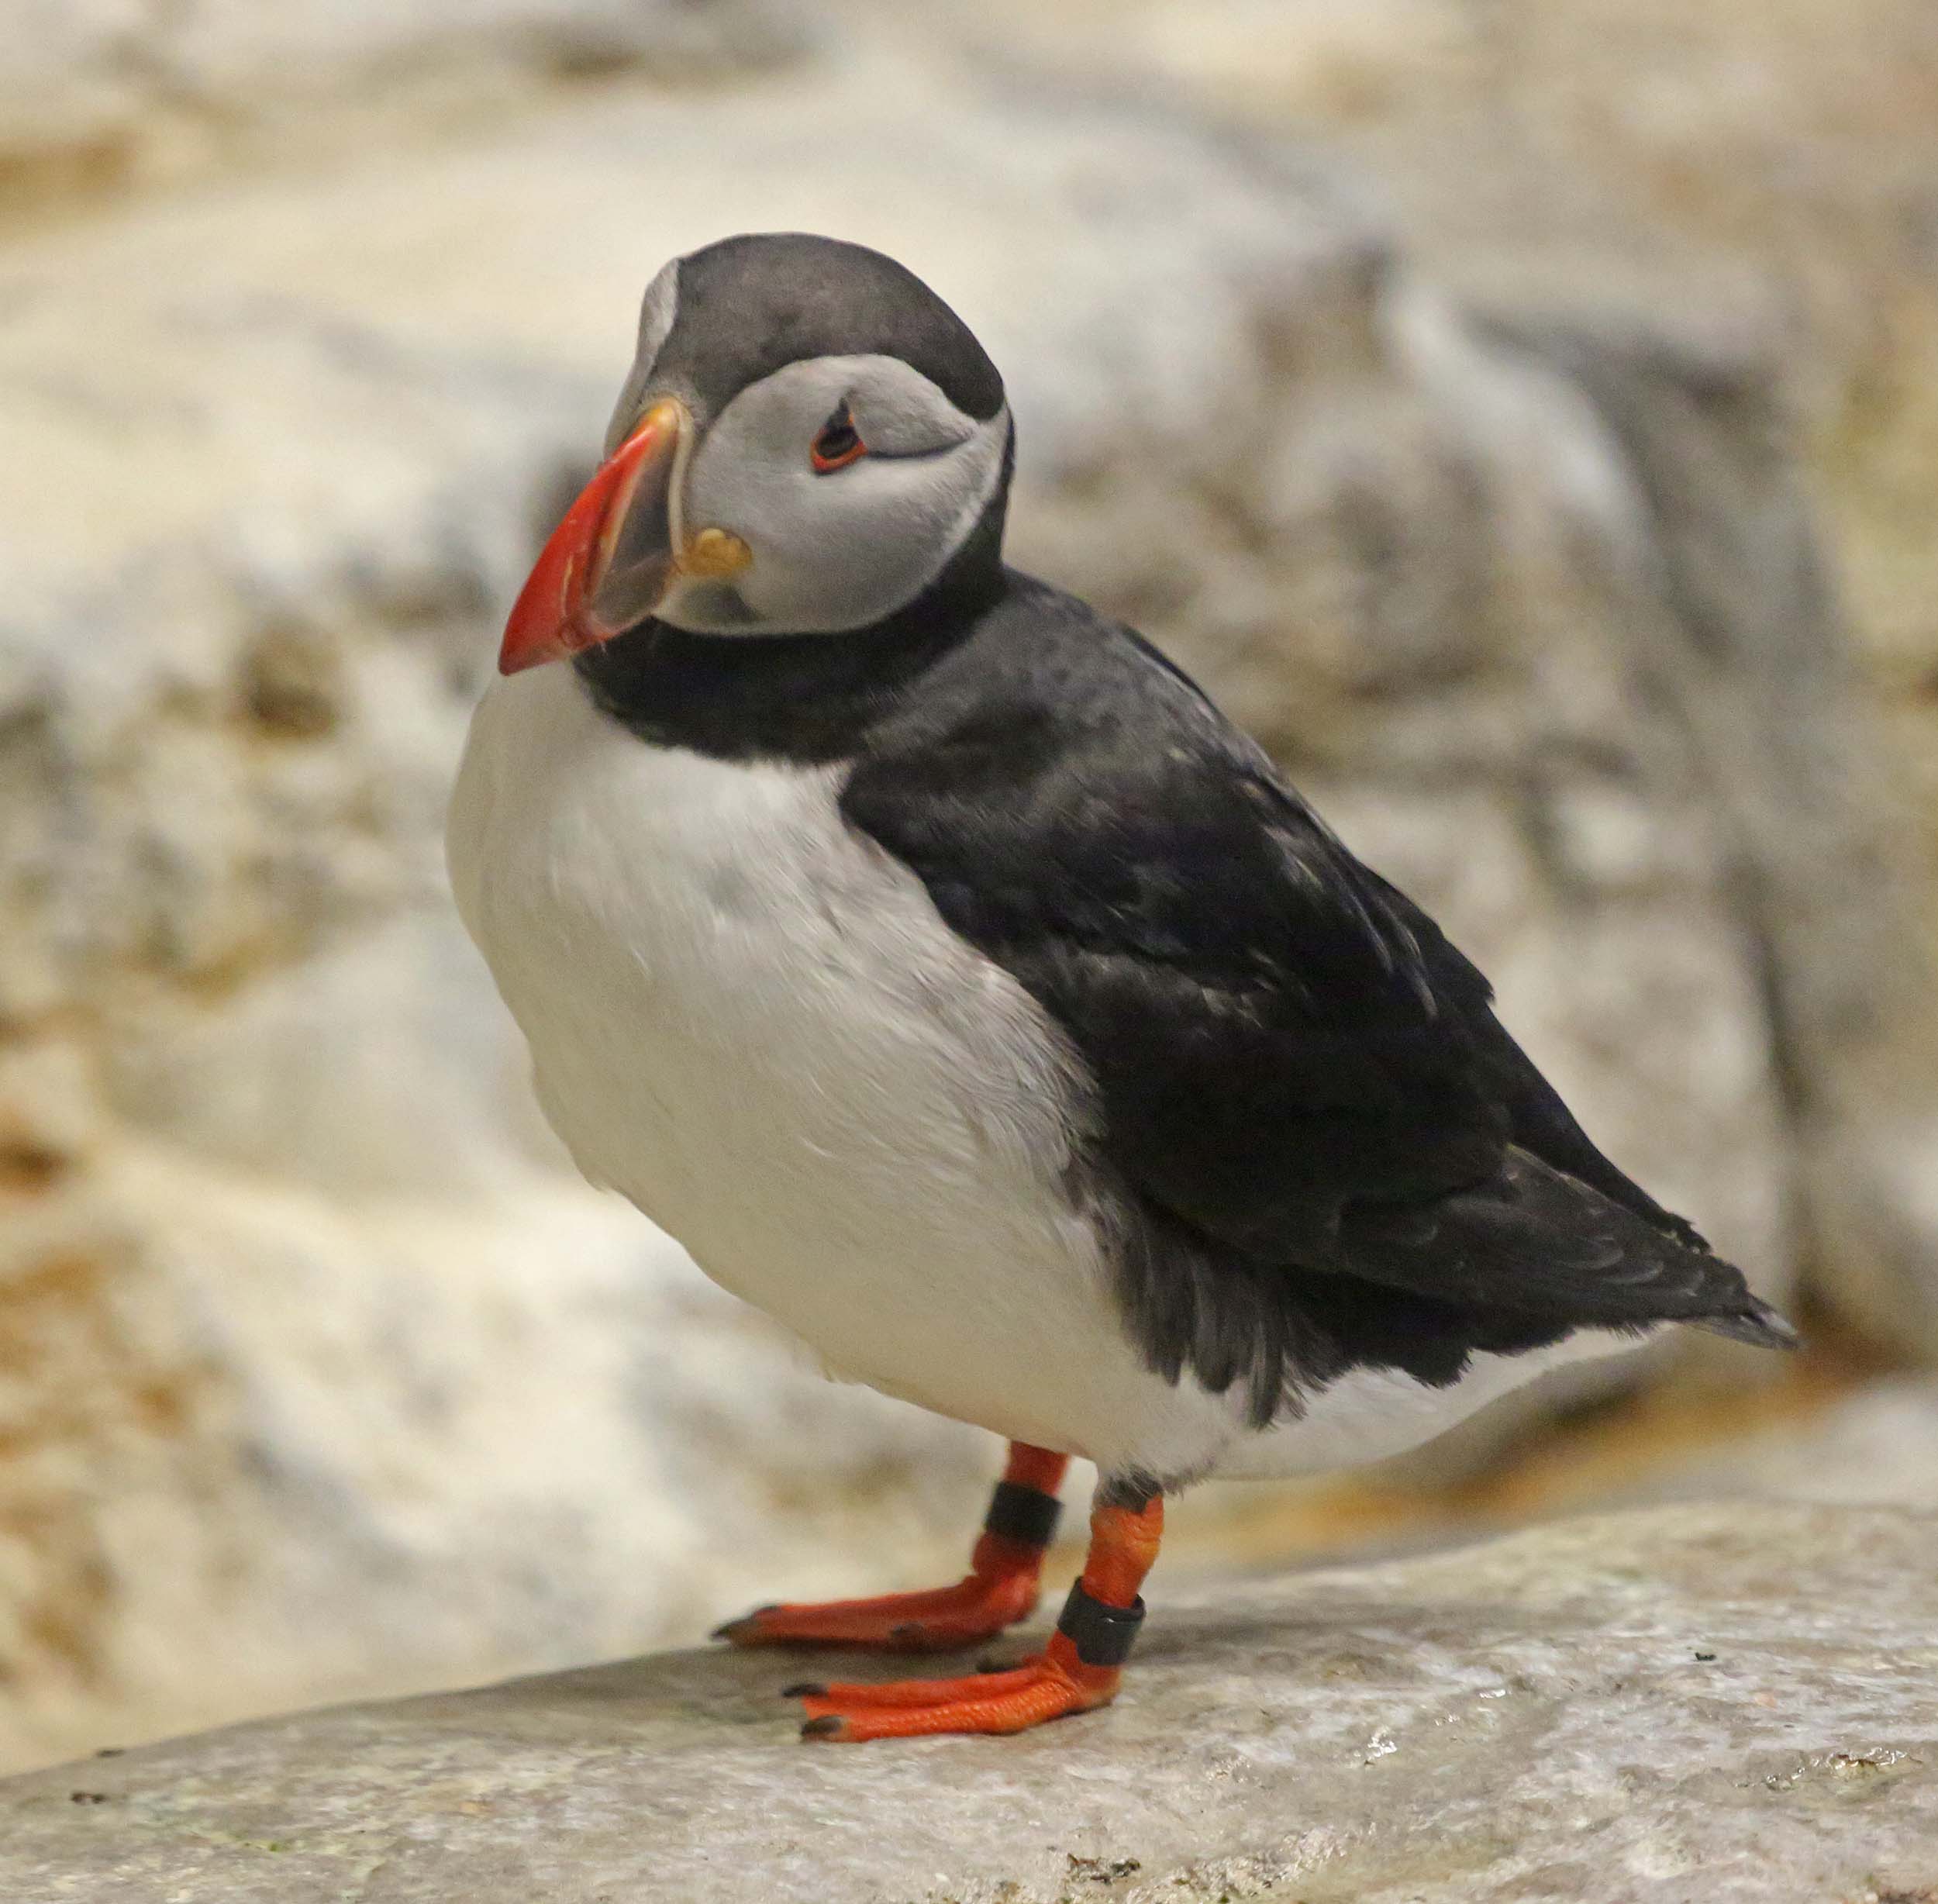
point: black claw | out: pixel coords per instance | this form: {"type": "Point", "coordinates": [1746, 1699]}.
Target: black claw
{"type": "Point", "coordinates": [825, 1727]}
{"type": "Point", "coordinates": [804, 1689]}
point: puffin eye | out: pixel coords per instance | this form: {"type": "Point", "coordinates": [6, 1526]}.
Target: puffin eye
{"type": "Point", "coordinates": [839, 444]}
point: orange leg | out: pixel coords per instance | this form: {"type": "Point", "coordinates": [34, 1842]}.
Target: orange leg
{"type": "Point", "coordinates": [999, 1590]}
{"type": "Point", "coordinates": [1078, 1670]}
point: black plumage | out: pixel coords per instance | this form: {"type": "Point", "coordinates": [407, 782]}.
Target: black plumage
{"type": "Point", "coordinates": [1317, 1148]}
{"type": "Point", "coordinates": [749, 305]}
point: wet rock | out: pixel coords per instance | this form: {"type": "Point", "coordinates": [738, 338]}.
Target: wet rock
{"type": "Point", "coordinates": [1735, 1703]}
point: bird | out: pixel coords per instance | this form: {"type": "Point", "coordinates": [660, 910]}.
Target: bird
{"type": "Point", "coordinates": [926, 953]}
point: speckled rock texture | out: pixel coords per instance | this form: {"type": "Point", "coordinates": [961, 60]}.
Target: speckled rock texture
{"type": "Point", "coordinates": [1739, 1706]}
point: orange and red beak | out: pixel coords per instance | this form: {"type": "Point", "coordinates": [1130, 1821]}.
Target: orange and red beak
{"type": "Point", "coordinates": [611, 558]}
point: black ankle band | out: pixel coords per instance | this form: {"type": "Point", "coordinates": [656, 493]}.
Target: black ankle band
{"type": "Point", "coordinates": [1024, 1514]}
{"type": "Point", "coordinates": [1103, 1635]}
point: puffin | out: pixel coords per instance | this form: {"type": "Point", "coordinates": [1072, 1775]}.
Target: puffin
{"type": "Point", "coordinates": [925, 953]}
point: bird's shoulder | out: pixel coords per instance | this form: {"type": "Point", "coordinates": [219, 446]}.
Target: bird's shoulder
{"type": "Point", "coordinates": [1059, 778]}
{"type": "Point", "coordinates": [1276, 1032]}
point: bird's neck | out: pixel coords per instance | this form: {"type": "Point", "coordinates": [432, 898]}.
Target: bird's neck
{"type": "Point", "coordinates": [804, 698]}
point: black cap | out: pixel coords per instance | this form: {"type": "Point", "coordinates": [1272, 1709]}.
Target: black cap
{"type": "Point", "coordinates": [749, 304]}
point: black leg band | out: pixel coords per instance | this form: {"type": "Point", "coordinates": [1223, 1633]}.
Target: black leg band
{"type": "Point", "coordinates": [1102, 1635]}
{"type": "Point", "coordinates": [1020, 1513]}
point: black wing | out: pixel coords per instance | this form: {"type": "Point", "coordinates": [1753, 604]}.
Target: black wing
{"type": "Point", "coordinates": [1298, 1071]}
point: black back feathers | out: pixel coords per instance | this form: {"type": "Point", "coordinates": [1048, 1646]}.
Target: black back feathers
{"type": "Point", "coordinates": [1319, 1146]}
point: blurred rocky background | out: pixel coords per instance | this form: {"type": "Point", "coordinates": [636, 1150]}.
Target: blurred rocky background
{"type": "Point", "coordinates": [1523, 413]}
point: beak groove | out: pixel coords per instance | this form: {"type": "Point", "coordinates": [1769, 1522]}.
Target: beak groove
{"type": "Point", "coordinates": [610, 559]}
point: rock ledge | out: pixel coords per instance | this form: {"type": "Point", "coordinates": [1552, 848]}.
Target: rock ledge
{"type": "Point", "coordinates": [1733, 1702]}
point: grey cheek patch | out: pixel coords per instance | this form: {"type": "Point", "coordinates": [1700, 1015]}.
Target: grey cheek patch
{"type": "Point", "coordinates": [838, 550]}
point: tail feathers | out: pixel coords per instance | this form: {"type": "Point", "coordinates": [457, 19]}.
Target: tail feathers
{"type": "Point", "coordinates": [1758, 1324]}
{"type": "Point", "coordinates": [1535, 1241]}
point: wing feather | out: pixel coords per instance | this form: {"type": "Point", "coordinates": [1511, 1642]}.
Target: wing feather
{"type": "Point", "coordinates": [1293, 1062]}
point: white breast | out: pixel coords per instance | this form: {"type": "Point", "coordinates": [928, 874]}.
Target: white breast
{"type": "Point", "coordinates": [752, 1022]}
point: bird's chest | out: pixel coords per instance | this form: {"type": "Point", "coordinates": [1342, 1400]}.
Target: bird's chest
{"type": "Point", "coordinates": [747, 1018]}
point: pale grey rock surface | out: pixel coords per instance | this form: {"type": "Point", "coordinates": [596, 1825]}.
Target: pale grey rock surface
{"type": "Point", "coordinates": [1876, 1445]}
{"type": "Point", "coordinates": [65, 77]}
{"type": "Point", "coordinates": [236, 52]}
{"type": "Point", "coordinates": [1737, 1704]}
{"type": "Point", "coordinates": [93, 80]}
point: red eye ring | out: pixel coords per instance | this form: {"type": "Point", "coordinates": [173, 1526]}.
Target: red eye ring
{"type": "Point", "coordinates": [839, 444]}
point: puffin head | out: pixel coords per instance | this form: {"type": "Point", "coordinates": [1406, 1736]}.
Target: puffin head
{"type": "Point", "coordinates": [808, 438]}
